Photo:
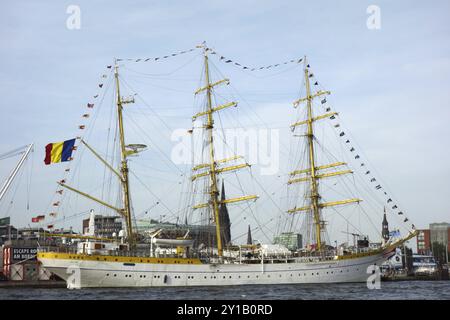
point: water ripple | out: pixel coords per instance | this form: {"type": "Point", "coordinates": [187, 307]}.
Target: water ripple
{"type": "Point", "coordinates": [432, 290]}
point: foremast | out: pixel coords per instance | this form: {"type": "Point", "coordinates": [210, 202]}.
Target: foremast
{"type": "Point", "coordinates": [213, 168]}
{"type": "Point", "coordinates": [124, 162]}
{"type": "Point", "coordinates": [123, 171]}
{"type": "Point", "coordinates": [313, 175]}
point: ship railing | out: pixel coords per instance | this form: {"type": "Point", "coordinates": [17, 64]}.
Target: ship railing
{"type": "Point", "coordinates": [315, 258]}
{"type": "Point", "coordinates": [115, 253]}
{"type": "Point", "coordinates": [57, 249]}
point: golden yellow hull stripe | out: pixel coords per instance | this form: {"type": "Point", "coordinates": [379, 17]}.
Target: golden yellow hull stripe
{"type": "Point", "coordinates": [101, 258]}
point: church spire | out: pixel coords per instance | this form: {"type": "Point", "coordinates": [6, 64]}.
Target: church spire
{"type": "Point", "coordinates": [385, 227]}
{"type": "Point", "coordinates": [224, 218]}
{"type": "Point", "coordinates": [249, 236]}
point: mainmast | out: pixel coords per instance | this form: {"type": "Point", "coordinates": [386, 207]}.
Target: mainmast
{"type": "Point", "coordinates": [213, 166]}
{"type": "Point", "coordinates": [124, 162]}
{"type": "Point", "coordinates": [214, 193]}
{"type": "Point", "coordinates": [312, 173]}
{"type": "Point", "coordinates": [314, 194]}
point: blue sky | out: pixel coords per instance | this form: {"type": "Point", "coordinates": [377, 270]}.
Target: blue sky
{"type": "Point", "coordinates": [390, 85]}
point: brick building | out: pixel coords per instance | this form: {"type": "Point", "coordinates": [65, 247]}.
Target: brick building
{"type": "Point", "coordinates": [438, 232]}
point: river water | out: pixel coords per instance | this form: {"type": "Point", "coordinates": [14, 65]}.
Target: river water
{"type": "Point", "coordinates": [398, 290]}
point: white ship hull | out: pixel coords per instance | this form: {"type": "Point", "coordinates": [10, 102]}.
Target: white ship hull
{"type": "Point", "coordinates": [83, 274]}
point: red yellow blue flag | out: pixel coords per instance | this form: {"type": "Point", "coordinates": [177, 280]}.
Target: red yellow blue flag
{"type": "Point", "coordinates": [59, 151]}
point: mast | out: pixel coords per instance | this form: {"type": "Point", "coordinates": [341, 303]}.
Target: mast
{"type": "Point", "coordinates": [122, 173]}
{"type": "Point", "coordinates": [311, 156]}
{"type": "Point", "coordinates": [124, 162]}
{"type": "Point", "coordinates": [315, 173]}
{"type": "Point", "coordinates": [214, 193]}
{"type": "Point", "coordinates": [213, 167]}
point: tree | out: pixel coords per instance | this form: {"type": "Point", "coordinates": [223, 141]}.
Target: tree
{"type": "Point", "coordinates": [439, 252]}
{"type": "Point", "coordinates": [407, 260]}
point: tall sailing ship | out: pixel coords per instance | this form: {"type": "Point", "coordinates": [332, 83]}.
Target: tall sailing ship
{"type": "Point", "coordinates": [130, 262]}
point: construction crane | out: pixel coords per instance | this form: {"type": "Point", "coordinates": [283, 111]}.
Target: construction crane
{"type": "Point", "coordinates": [25, 151]}
{"type": "Point", "coordinates": [355, 235]}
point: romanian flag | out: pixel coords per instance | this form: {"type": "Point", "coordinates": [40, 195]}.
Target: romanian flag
{"type": "Point", "coordinates": [59, 151]}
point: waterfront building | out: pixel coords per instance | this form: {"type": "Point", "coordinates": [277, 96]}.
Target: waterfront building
{"type": "Point", "coordinates": [437, 233]}
{"type": "Point", "coordinates": [291, 240]}
{"type": "Point", "coordinates": [105, 226]}
{"type": "Point", "coordinates": [18, 260]}
{"type": "Point", "coordinates": [423, 242]}
{"type": "Point", "coordinates": [199, 233]}
{"type": "Point", "coordinates": [7, 232]}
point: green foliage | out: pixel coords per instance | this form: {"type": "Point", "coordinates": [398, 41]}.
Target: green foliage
{"type": "Point", "coordinates": [439, 252]}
